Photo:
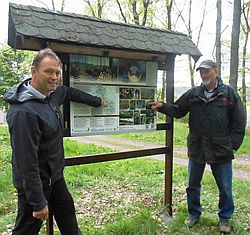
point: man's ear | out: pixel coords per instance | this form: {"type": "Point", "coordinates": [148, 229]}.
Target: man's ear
{"type": "Point", "coordinates": [33, 70]}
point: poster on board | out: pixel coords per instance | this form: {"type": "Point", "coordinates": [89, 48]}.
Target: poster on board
{"type": "Point", "coordinates": [125, 85]}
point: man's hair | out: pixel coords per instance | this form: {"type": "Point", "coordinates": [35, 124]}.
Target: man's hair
{"type": "Point", "coordinates": [44, 53]}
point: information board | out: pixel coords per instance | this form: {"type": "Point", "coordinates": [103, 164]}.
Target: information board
{"type": "Point", "coordinates": [125, 85]}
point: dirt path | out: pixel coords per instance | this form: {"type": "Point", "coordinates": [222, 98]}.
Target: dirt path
{"type": "Point", "coordinates": [180, 158]}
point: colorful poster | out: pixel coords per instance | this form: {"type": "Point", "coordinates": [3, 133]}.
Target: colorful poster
{"type": "Point", "coordinates": [109, 78]}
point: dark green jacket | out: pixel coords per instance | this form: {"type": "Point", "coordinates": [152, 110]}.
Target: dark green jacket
{"type": "Point", "coordinates": [216, 124]}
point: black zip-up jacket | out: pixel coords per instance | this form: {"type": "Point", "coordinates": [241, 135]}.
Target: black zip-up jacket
{"type": "Point", "coordinates": [216, 124]}
{"type": "Point", "coordinates": [37, 139]}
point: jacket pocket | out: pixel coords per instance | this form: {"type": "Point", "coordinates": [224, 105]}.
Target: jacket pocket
{"type": "Point", "coordinates": [222, 146]}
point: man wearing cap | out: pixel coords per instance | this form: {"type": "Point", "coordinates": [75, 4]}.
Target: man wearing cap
{"type": "Point", "coordinates": [216, 128]}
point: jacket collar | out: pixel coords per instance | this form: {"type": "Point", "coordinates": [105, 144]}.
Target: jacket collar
{"type": "Point", "coordinates": [199, 91]}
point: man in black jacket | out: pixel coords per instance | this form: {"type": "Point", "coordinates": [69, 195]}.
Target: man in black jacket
{"type": "Point", "coordinates": [216, 128]}
{"type": "Point", "coordinates": [36, 133]}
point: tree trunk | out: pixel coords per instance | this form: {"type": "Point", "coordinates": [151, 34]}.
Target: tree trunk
{"type": "Point", "coordinates": [246, 30]}
{"type": "Point", "coordinates": [163, 89]}
{"type": "Point", "coordinates": [244, 71]}
{"type": "Point", "coordinates": [135, 14]}
{"type": "Point", "coordinates": [191, 71]}
{"type": "Point", "coordinates": [169, 5]}
{"type": "Point", "coordinates": [169, 8]}
{"type": "Point", "coordinates": [234, 57]}
{"type": "Point", "coordinates": [145, 12]}
{"type": "Point", "coordinates": [218, 36]}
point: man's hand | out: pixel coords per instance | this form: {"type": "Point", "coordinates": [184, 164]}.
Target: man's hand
{"type": "Point", "coordinates": [155, 105]}
{"type": "Point", "coordinates": [103, 103]}
{"type": "Point", "coordinates": [42, 214]}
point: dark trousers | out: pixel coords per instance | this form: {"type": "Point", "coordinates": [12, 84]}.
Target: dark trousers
{"type": "Point", "coordinates": [60, 204]}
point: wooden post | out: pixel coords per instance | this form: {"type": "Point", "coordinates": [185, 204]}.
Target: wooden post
{"type": "Point", "coordinates": [170, 61]}
{"type": "Point", "coordinates": [49, 225]}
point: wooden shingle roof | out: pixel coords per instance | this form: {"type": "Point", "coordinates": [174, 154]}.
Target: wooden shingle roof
{"type": "Point", "coordinates": [48, 25]}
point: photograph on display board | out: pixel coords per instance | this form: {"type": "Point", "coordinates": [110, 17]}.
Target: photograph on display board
{"type": "Point", "coordinates": [149, 116]}
{"type": "Point", "coordinates": [90, 68]}
{"type": "Point", "coordinates": [137, 120]}
{"type": "Point", "coordinates": [141, 104]}
{"type": "Point", "coordinates": [132, 104]}
{"type": "Point", "coordinates": [130, 71]}
{"type": "Point", "coordinates": [104, 69]}
{"type": "Point", "coordinates": [126, 118]}
{"type": "Point", "coordinates": [148, 94]}
{"type": "Point", "coordinates": [129, 93]}
{"type": "Point", "coordinates": [124, 104]}
{"type": "Point", "coordinates": [126, 93]}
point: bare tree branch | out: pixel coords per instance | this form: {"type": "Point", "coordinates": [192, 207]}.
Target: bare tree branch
{"type": "Point", "coordinates": [121, 11]}
{"type": "Point", "coordinates": [202, 23]}
{"type": "Point", "coordinates": [91, 7]}
{"type": "Point", "coordinates": [53, 4]}
{"type": "Point", "coordinates": [245, 11]}
{"type": "Point", "coordinates": [43, 3]}
{"type": "Point", "coordinates": [63, 5]}
{"type": "Point", "coordinates": [179, 15]}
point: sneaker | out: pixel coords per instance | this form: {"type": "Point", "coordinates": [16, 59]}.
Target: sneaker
{"type": "Point", "coordinates": [190, 222]}
{"type": "Point", "coordinates": [224, 227]}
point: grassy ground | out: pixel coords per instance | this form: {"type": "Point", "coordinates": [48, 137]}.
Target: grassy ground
{"type": "Point", "coordinates": [180, 136]}
{"type": "Point", "coordinates": [126, 197]}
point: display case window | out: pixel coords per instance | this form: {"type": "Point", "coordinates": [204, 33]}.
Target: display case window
{"type": "Point", "coordinates": [125, 85]}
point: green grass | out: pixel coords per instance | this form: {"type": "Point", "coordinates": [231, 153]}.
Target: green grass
{"type": "Point", "coordinates": [126, 197]}
{"type": "Point", "coordinates": [180, 136]}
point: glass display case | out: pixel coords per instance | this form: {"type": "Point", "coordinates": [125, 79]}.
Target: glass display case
{"type": "Point", "coordinates": [125, 85]}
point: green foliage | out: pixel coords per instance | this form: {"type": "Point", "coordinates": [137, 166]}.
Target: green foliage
{"type": "Point", "coordinates": [245, 148]}
{"type": "Point", "coordinates": [14, 66]}
{"type": "Point", "coordinates": [5, 150]}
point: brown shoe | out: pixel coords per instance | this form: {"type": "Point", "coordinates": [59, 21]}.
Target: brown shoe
{"type": "Point", "coordinates": [225, 227]}
{"type": "Point", "coordinates": [190, 222]}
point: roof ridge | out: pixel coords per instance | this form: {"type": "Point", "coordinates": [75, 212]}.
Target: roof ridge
{"type": "Point", "coordinates": [93, 18]}
{"type": "Point", "coordinates": [30, 21]}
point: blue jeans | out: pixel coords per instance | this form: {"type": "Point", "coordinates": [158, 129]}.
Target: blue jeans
{"type": "Point", "coordinates": [222, 173]}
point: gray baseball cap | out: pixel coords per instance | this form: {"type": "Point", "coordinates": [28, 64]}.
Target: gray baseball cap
{"type": "Point", "coordinates": [207, 64]}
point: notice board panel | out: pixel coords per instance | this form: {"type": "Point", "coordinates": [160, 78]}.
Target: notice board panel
{"type": "Point", "coordinates": [125, 85]}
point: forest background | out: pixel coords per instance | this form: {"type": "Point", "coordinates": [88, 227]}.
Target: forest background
{"type": "Point", "coordinates": [219, 29]}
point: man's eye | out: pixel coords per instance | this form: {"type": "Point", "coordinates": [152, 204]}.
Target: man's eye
{"type": "Point", "coordinates": [49, 72]}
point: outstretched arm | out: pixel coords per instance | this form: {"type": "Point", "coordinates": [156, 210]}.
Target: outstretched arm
{"type": "Point", "coordinates": [64, 93]}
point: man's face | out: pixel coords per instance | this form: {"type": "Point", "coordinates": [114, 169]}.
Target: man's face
{"type": "Point", "coordinates": [208, 76]}
{"type": "Point", "coordinates": [46, 77]}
